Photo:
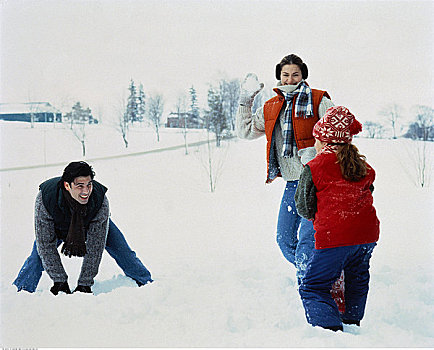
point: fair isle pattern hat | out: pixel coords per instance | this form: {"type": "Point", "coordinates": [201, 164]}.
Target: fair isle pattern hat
{"type": "Point", "coordinates": [337, 126]}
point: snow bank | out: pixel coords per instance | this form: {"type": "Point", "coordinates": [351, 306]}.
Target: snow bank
{"type": "Point", "coordinates": [220, 279]}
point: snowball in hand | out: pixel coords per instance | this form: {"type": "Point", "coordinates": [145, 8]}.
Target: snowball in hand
{"type": "Point", "coordinates": [251, 83]}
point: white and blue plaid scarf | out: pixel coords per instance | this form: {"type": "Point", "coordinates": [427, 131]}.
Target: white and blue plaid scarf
{"type": "Point", "coordinates": [303, 109]}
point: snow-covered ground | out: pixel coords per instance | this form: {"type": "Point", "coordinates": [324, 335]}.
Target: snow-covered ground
{"type": "Point", "coordinates": [220, 279]}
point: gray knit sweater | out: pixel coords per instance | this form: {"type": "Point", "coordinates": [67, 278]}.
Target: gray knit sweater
{"type": "Point", "coordinates": [252, 125]}
{"type": "Point", "coordinates": [46, 243]}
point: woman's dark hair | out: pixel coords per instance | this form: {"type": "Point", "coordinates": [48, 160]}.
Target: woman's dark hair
{"type": "Point", "coordinates": [353, 164]}
{"type": "Point", "coordinates": [76, 169]}
{"type": "Point", "coordinates": [292, 59]}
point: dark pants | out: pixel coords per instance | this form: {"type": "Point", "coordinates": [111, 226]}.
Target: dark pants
{"type": "Point", "coordinates": [323, 270]}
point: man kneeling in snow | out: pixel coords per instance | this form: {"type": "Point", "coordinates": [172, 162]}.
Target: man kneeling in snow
{"type": "Point", "coordinates": [72, 209]}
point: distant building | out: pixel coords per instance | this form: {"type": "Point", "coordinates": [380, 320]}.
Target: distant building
{"type": "Point", "coordinates": [178, 120]}
{"type": "Point", "coordinates": [40, 112]}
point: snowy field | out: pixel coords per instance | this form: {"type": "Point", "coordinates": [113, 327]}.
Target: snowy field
{"type": "Point", "coordinates": [220, 279]}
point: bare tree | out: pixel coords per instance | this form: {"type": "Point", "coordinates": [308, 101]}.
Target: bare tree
{"type": "Point", "coordinates": [421, 163]}
{"type": "Point", "coordinates": [124, 127]}
{"type": "Point", "coordinates": [212, 177]}
{"type": "Point", "coordinates": [212, 159]}
{"type": "Point", "coordinates": [122, 121]}
{"type": "Point", "coordinates": [181, 112]}
{"type": "Point", "coordinates": [393, 113]}
{"type": "Point", "coordinates": [79, 117]}
{"type": "Point", "coordinates": [79, 131]}
{"type": "Point", "coordinates": [155, 112]}
{"type": "Point", "coordinates": [373, 129]}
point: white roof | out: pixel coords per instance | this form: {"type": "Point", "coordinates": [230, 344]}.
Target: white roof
{"type": "Point", "coordinates": [27, 108]}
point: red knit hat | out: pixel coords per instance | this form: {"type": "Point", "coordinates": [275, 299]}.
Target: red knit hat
{"type": "Point", "coordinates": [337, 126]}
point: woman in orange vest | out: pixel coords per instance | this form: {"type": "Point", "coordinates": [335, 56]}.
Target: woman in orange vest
{"type": "Point", "coordinates": [287, 121]}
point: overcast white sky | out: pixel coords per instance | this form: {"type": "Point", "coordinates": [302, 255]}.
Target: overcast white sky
{"type": "Point", "coordinates": [366, 54]}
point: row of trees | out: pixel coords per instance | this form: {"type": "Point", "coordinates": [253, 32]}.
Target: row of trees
{"type": "Point", "coordinates": [135, 110]}
{"type": "Point", "coordinates": [420, 131]}
{"type": "Point", "coordinates": [218, 118]}
{"type": "Point", "coordinates": [421, 128]}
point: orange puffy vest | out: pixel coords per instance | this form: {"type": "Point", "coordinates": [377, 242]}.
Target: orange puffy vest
{"type": "Point", "coordinates": [302, 126]}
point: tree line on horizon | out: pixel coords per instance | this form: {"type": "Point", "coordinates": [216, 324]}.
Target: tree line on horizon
{"type": "Point", "coordinates": [219, 116]}
{"type": "Point", "coordinates": [421, 127]}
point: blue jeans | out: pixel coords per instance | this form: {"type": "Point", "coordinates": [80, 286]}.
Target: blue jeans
{"type": "Point", "coordinates": [116, 245]}
{"type": "Point", "coordinates": [323, 269]}
{"type": "Point", "coordinates": [295, 234]}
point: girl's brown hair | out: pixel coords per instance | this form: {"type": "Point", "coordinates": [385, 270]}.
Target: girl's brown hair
{"type": "Point", "coordinates": [353, 164]}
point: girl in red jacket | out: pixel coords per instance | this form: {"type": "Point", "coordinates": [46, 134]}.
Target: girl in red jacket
{"type": "Point", "coordinates": [335, 191]}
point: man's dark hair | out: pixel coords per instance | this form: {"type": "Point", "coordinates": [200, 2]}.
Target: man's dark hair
{"type": "Point", "coordinates": [76, 169]}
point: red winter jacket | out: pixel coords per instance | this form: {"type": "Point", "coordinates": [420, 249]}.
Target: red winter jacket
{"type": "Point", "coordinates": [345, 213]}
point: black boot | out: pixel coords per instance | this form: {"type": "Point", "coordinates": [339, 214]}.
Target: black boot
{"type": "Point", "coordinates": [335, 328]}
{"type": "Point", "coordinates": [60, 287]}
{"type": "Point", "coordinates": [356, 322]}
{"type": "Point", "coordinates": [83, 289]}
{"type": "Point", "coordinates": [142, 284]}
